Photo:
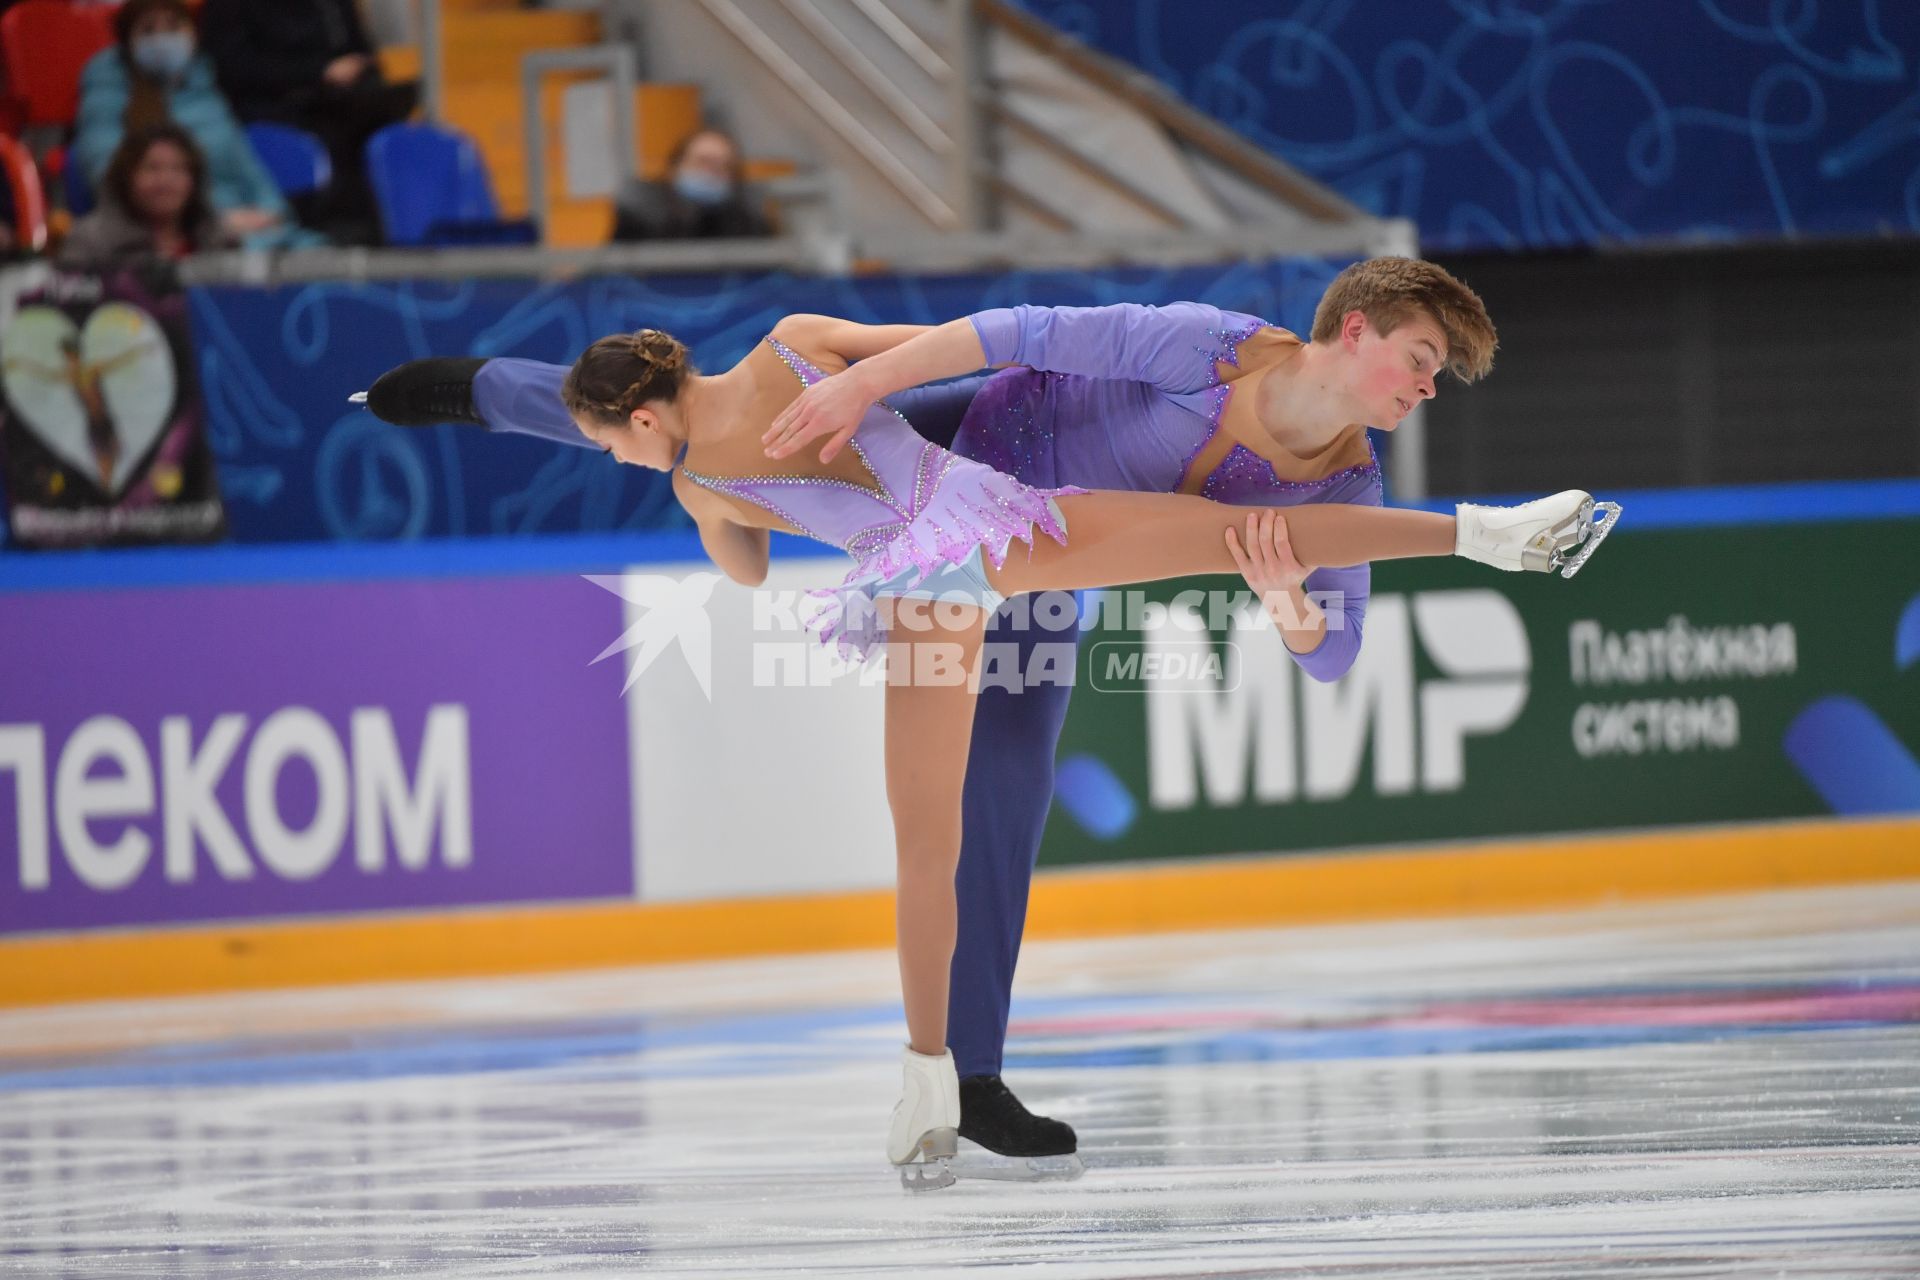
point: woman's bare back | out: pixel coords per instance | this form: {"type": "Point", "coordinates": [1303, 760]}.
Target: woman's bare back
{"type": "Point", "coordinates": [733, 451]}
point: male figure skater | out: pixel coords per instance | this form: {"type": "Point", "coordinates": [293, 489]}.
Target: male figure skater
{"type": "Point", "coordinates": [1182, 398]}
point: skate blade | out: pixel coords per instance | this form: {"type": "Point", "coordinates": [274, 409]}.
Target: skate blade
{"type": "Point", "coordinates": [1550, 546]}
{"type": "Point", "coordinates": [985, 1166]}
{"type": "Point", "coordinates": [1609, 513]}
{"type": "Point", "coordinates": [930, 1175]}
{"type": "Point", "coordinates": [358, 397]}
{"type": "Point", "coordinates": [933, 1167]}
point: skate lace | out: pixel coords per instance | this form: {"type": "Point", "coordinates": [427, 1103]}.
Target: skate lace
{"type": "Point", "coordinates": [448, 399]}
{"type": "Point", "coordinates": [994, 1090]}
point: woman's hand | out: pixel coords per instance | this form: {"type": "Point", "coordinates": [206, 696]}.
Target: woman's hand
{"type": "Point", "coordinates": [831, 407]}
{"type": "Point", "coordinates": [244, 222]}
{"type": "Point", "coordinates": [1264, 556]}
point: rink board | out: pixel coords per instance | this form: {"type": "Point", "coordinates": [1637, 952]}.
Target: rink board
{"type": "Point", "coordinates": [1211, 893]}
{"type": "Point", "coordinates": [247, 768]}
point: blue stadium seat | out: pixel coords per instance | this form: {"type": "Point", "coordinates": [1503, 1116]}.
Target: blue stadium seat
{"type": "Point", "coordinates": [432, 188]}
{"type": "Point", "coordinates": [297, 160]}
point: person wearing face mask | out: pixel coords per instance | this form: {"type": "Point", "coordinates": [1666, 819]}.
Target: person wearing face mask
{"type": "Point", "coordinates": [155, 73]}
{"type": "Point", "coordinates": [702, 197]}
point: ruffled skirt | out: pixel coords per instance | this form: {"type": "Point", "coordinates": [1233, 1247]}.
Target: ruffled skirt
{"type": "Point", "coordinates": [968, 508]}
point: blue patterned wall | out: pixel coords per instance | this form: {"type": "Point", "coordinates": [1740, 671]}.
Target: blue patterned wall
{"type": "Point", "coordinates": [298, 463]}
{"type": "Point", "coordinates": [1540, 123]}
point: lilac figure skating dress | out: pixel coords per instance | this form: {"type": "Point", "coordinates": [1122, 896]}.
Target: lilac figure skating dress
{"type": "Point", "coordinates": [920, 529]}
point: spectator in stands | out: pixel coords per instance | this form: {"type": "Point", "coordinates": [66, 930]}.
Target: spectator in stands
{"type": "Point", "coordinates": [155, 73]}
{"type": "Point", "coordinates": [702, 197]}
{"type": "Point", "coordinates": [153, 204]}
{"type": "Point", "coordinates": [308, 63]}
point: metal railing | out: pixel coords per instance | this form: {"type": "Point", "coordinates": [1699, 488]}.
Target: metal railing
{"type": "Point", "coordinates": [831, 112]}
{"type": "Point", "coordinates": [854, 61]}
{"type": "Point", "coordinates": [1205, 135]}
{"type": "Point", "coordinates": [621, 68]}
{"type": "Point", "coordinates": [907, 251]}
{"type": "Point", "coordinates": [433, 66]}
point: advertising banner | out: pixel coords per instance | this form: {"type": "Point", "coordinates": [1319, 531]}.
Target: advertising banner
{"type": "Point", "coordinates": [215, 752]}
{"type": "Point", "coordinates": [1686, 676]}
{"type": "Point", "coordinates": [102, 437]}
{"type": "Point", "coordinates": [296, 748]}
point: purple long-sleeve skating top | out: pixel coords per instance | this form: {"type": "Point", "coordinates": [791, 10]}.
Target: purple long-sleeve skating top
{"type": "Point", "coordinates": [1127, 397]}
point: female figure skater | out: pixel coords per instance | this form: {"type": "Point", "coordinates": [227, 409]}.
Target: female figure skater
{"type": "Point", "coordinates": [924, 524]}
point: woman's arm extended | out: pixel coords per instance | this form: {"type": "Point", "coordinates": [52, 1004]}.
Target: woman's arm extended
{"type": "Point", "coordinates": [740, 551]}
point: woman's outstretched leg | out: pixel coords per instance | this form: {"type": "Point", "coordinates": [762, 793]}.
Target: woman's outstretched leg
{"type": "Point", "coordinates": [1115, 538]}
{"type": "Point", "coordinates": [503, 394]}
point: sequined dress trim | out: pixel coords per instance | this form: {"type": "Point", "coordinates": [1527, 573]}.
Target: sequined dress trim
{"type": "Point", "coordinates": [1243, 471]}
{"type": "Point", "coordinates": [932, 514]}
{"type": "Point", "coordinates": [1228, 349]}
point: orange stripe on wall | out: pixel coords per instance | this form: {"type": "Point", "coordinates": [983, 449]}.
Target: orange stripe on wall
{"type": "Point", "coordinates": [1120, 899]}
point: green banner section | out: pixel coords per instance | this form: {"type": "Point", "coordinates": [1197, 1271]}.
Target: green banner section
{"type": "Point", "coordinates": [1684, 676]}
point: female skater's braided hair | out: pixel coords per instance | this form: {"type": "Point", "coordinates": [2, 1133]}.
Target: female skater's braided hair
{"type": "Point", "coordinates": [623, 371]}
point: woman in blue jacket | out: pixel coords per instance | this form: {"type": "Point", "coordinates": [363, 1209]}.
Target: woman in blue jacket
{"type": "Point", "coordinates": [155, 72]}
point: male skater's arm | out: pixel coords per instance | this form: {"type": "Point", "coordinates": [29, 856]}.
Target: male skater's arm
{"type": "Point", "coordinates": [1323, 641]}
{"type": "Point", "coordinates": [1344, 589]}
{"type": "Point", "coordinates": [848, 339]}
{"type": "Point", "coordinates": [1320, 614]}
{"type": "Point", "coordinates": [1264, 556]}
{"type": "Point", "coordinates": [1174, 347]}
{"type": "Point", "coordinates": [1345, 592]}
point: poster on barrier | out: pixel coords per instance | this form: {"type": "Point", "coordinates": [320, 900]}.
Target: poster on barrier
{"type": "Point", "coordinates": [102, 438]}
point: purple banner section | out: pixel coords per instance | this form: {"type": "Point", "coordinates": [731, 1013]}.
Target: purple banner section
{"type": "Point", "coordinates": [209, 753]}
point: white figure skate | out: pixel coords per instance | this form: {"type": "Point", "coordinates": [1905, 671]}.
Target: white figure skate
{"type": "Point", "coordinates": [925, 1133]}
{"type": "Point", "coordinates": [1547, 534]}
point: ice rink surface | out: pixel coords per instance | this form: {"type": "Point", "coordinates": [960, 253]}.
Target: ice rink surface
{"type": "Point", "coordinates": [1702, 1087]}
